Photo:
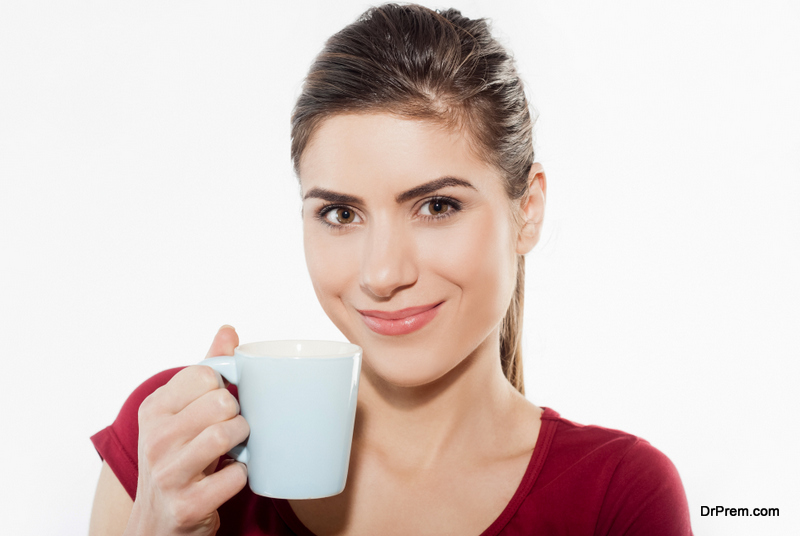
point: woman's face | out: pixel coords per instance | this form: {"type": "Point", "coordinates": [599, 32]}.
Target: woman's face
{"type": "Point", "coordinates": [409, 242]}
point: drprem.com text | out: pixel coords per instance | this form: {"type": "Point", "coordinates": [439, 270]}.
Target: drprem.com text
{"type": "Point", "coordinates": [721, 511]}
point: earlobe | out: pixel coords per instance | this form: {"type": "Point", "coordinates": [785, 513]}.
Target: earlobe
{"type": "Point", "coordinates": [533, 210]}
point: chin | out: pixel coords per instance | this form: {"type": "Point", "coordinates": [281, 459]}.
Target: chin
{"type": "Point", "coordinates": [407, 367]}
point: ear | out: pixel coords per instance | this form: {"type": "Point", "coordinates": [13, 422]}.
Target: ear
{"type": "Point", "coordinates": [532, 210]}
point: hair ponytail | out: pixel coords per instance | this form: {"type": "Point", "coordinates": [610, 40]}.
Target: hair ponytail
{"type": "Point", "coordinates": [511, 332]}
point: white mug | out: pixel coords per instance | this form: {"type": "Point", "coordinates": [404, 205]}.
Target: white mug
{"type": "Point", "coordinates": [299, 398]}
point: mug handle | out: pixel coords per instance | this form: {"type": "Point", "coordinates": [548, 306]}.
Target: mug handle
{"type": "Point", "coordinates": [226, 366]}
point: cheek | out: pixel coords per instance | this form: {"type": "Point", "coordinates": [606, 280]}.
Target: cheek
{"type": "Point", "coordinates": [332, 266]}
{"type": "Point", "coordinates": [478, 257]}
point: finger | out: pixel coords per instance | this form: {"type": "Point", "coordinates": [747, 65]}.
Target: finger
{"type": "Point", "coordinates": [211, 443]}
{"type": "Point", "coordinates": [216, 489]}
{"type": "Point", "coordinates": [225, 341]}
{"type": "Point", "coordinates": [184, 388]}
{"type": "Point", "coordinates": [212, 467]}
{"type": "Point", "coordinates": [215, 406]}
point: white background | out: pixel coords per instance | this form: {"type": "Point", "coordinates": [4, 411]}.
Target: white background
{"type": "Point", "coordinates": [147, 198]}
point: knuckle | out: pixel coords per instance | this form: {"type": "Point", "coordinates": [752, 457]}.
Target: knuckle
{"type": "Point", "coordinates": [160, 476]}
{"type": "Point", "coordinates": [166, 477]}
{"type": "Point", "coordinates": [243, 427]}
{"type": "Point", "coordinates": [150, 446]}
{"type": "Point", "coordinates": [184, 513]}
{"type": "Point", "coordinates": [235, 478]}
{"type": "Point", "coordinates": [148, 406]}
{"type": "Point", "coordinates": [155, 442]}
{"type": "Point", "coordinates": [148, 449]}
{"type": "Point", "coordinates": [219, 439]}
{"type": "Point", "coordinates": [228, 403]}
{"type": "Point", "coordinates": [240, 477]}
{"type": "Point", "coordinates": [207, 377]}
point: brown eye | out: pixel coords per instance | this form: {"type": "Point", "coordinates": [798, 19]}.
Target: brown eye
{"type": "Point", "coordinates": [344, 215]}
{"type": "Point", "coordinates": [437, 207]}
{"type": "Point", "coordinates": [340, 216]}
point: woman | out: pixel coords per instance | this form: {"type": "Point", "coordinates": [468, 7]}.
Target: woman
{"type": "Point", "coordinates": [413, 146]}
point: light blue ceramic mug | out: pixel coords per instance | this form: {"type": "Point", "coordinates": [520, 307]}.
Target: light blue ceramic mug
{"type": "Point", "coordinates": [299, 398]}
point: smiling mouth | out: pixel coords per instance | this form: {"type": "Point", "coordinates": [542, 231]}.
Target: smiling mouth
{"type": "Point", "coordinates": [400, 322]}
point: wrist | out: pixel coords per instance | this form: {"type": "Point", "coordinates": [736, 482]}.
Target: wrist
{"type": "Point", "coordinates": [141, 524]}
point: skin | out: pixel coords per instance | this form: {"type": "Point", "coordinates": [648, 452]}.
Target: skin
{"type": "Point", "coordinates": [184, 427]}
{"type": "Point", "coordinates": [433, 401]}
{"type": "Point", "coordinates": [440, 432]}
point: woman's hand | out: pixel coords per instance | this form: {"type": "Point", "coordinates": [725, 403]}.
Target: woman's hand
{"type": "Point", "coordinates": [184, 427]}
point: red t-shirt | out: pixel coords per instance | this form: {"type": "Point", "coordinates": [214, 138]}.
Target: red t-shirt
{"type": "Point", "coordinates": [581, 480]}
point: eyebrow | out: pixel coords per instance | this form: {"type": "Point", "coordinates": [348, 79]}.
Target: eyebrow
{"type": "Point", "coordinates": [417, 191]}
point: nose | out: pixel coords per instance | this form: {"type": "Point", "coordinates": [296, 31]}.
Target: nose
{"type": "Point", "coordinates": [389, 261]}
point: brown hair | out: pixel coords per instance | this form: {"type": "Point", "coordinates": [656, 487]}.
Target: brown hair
{"type": "Point", "coordinates": [438, 66]}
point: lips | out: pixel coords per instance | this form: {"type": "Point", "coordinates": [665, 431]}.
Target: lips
{"type": "Point", "coordinates": [400, 322]}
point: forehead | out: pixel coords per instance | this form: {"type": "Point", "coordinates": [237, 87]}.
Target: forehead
{"type": "Point", "coordinates": [378, 150]}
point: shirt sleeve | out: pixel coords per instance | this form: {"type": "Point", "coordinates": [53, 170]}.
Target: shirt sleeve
{"type": "Point", "coordinates": [118, 444]}
{"type": "Point", "coordinates": [645, 497]}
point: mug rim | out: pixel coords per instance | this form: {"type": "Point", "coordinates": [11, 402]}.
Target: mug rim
{"type": "Point", "coordinates": [340, 350]}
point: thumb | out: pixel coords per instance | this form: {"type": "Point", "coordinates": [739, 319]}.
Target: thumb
{"type": "Point", "coordinates": [225, 341]}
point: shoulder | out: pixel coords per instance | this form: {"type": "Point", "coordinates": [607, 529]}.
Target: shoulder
{"type": "Point", "coordinates": [634, 487]}
{"type": "Point", "coordinates": [645, 495]}
{"type": "Point", "coordinates": [621, 452]}
{"type": "Point", "coordinates": [588, 445]}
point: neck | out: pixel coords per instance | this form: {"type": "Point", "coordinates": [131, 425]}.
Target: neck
{"type": "Point", "coordinates": [459, 416]}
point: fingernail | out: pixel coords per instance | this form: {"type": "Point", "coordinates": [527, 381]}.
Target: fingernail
{"type": "Point", "coordinates": [226, 326]}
